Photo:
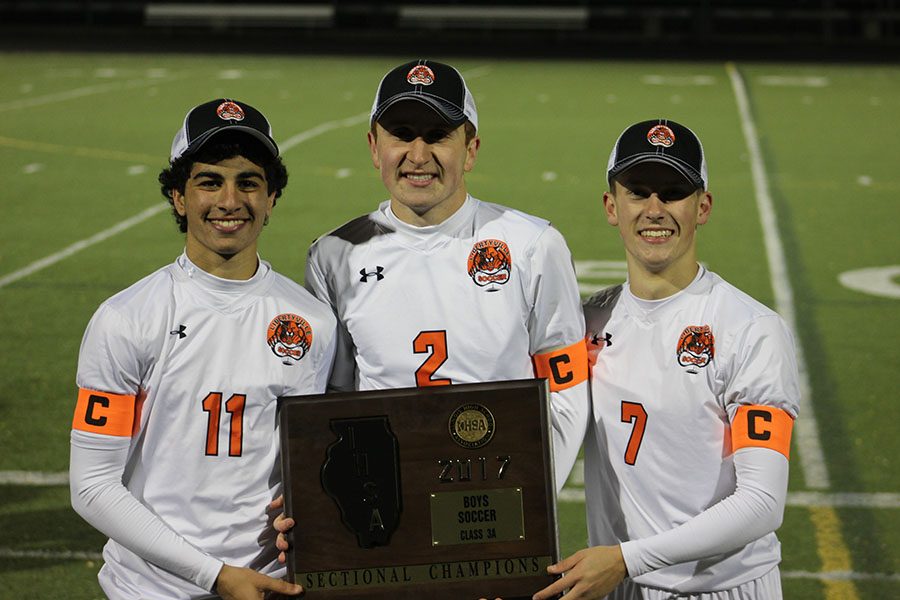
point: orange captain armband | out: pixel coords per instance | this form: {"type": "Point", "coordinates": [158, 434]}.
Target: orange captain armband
{"type": "Point", "coordinates": [564, 367]}
{"type": "Point", "coordinates": [762, 427]}
{"type": "Point", "coordinates": [101, 412]}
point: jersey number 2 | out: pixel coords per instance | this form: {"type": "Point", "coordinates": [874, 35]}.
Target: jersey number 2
{"type": "Point", "coordinates": [435, 343]}
{"type": "Point", "coordinates": [634, 412]}
{"type": "Point", "coordinates": [212, 404]}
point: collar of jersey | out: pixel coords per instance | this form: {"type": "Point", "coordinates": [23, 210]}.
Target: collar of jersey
{"type": "Point", "coordinates": [431, 236]}
{"type": "Point", "coordinates": [225, 294]}
{"type": "Point", "coordinates": [646, 309]}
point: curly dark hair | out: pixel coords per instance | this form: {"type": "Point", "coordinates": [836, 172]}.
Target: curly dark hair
{"type": "Point", "coordinates": [224, 146]}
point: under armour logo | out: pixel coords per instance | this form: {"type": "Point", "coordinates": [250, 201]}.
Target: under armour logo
{"type": "Point", "coordinates": [377, 274]}
{"type": "Point", "coordinates": [179, 332]}
{"type": "Point", "coordinates": [605, 340]}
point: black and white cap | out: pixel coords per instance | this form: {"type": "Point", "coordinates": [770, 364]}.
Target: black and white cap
{"type": "Point", "coordinates": [206, 121]}
{"type": "Point", "coordinates": [662, 141]}
{"type": "Point", "coordinates": [435, 84]}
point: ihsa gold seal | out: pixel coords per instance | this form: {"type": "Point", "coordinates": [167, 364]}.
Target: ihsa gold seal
{"type": "Point", "coordinates": [472, 426]}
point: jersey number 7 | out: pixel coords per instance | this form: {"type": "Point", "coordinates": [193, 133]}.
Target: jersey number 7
{"type": "Point", "coordinates": [634, 412]}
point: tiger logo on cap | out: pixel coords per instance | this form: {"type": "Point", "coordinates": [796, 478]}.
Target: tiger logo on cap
{"type": "Point", "coordinates": [420, 75]}
{"type": "Point", "coordinates": [289, 336]}
{"type": "Point", "coordinates": [490, 262]}
{"type": "Point", "coordinates": [696, 346]}
{"type": "Point", "coordinates": [230, 111]}
{"type": "Point", "coordinates": [660, 135]}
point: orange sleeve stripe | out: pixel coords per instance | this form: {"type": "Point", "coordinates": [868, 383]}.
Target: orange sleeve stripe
{"type": "Point", "coordinates": [101, 412]}
{"type": "Point", "coordinates": [563, 368]}
{"type": "Point", "coordinates": [762, 427]}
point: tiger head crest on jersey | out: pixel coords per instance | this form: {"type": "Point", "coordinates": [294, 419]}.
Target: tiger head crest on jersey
{"type": "Point", "coordinates": [696, 346]}
{"type": "Point", "coordinates": [289, 336]}
{"type": "Point", "coordinates": [490, 262]}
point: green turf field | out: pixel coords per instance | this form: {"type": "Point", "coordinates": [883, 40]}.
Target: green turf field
{"type": "Point", "coordinates": [83, 137]}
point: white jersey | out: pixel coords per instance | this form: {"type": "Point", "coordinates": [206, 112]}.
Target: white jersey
{"type": "Point", "coordinates": [678, 386]}
{"type": "Point", "coordinates": [488, 295]}
{"type": "Point", "coordinates": [184, 368]}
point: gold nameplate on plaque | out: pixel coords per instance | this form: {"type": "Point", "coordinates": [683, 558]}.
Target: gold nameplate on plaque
{"type": "Point", "coordinates": [477, 516]}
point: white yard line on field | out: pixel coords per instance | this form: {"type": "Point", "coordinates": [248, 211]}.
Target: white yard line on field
{"type": "Point", "coordinates": [146, 214]}
{"type": "Point", "coordinates": [573, 492]}
{"type": "Point", "coordinates": [806, 429]}
{"type": "Point", "coordinates": [82, 244]}
{"type": "Point", "coordinates": [840, 576]}
{"type": "Point", "coordinates": [81, 92]}
{"type": "Point", "coordinates": [477, 72]}
{"type": "Point", "coordinates": [799, 499]}
{"type": "Point", "coordinates": [34, 478]}
{"type": "Point", "coordinates": [320, 129]}
{"type": "Point", "coordinates": [844, 499]}
{"type": "Point", "coordinates": [50, 554]}
{"type": "Point", "coordinates": [885, 500]}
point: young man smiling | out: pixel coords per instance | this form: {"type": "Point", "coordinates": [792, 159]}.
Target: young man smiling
{"type": "Point", "coordinates": [174, 447]}
{"type": "Point", "coordinates": [695, 390]}
{"type": "Point", "coordinates": [436, 287]}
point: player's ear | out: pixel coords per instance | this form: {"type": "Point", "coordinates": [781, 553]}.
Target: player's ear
{"type": "Point", "coordinates": [178, 201]}
{"type": "Point", "coordinates": [471, 152]}
{"type": "Point", "coordinates": [373, 148]}
{"type": "Point", "coordinates": [609, 206]}
{"type": "Point", "coordinates": [704, 207]}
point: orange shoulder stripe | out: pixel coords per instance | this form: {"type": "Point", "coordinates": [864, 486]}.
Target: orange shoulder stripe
{"type": "Point", "coordinates": [102, 412]}
{"type": "Point", "coordinates": [762, 427]}
{"type": "Point", "coordinates": [564, 367]}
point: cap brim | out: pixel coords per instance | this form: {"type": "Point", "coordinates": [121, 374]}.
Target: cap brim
{"type": "Point", "coordinates": [449, 112]}
{"type": "Point", "coordinates": [201, 141]}
{"type": "Point", "coordinates": [686, 171]}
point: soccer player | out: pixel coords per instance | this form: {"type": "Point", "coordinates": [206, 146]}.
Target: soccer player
{"type": "Point", "coordinates": [436, 287]}
{"type": "Point", "coordinates": [174, 444]}
{"type": "Point", "coordinates": [695, 391]}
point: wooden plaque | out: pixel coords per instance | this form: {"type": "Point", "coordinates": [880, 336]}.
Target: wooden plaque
{"type": "Point", "coordinates": [437, 492]}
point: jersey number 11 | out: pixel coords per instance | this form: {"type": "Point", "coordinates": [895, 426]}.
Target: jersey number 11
{"type": "Point", "coordinates": [234, 406]}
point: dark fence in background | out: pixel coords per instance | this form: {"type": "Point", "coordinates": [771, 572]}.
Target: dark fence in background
{"type": "Point", "coordinates": [782, 29]}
